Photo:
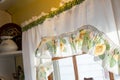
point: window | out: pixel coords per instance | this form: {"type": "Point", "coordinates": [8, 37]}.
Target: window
{"type": "Point", "coordinates": [86, 68]}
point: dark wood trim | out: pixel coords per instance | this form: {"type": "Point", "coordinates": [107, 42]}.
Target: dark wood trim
{"type": "Point", "coordinates": [57, 58]}
{"type": "Point", "coordinates": [75, 68]}
{"type": "Point", "coordinates": [111, 76]}
{"type": "Point", "coordinates": [50, 77]}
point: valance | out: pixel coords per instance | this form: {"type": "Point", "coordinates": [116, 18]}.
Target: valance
{"type": "Point", "coordinates": [85, 40]}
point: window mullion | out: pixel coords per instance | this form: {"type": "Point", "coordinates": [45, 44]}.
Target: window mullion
{"type": "Point", "coordinates": [75, 67]}
{"type": "Point", "coordinates": [111, 76]}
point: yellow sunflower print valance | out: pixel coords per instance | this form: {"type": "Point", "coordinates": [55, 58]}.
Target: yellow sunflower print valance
{"type": "Point", "coordinates": [86, 39]}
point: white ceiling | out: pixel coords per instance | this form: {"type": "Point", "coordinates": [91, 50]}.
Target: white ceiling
{"type": "Point", "coordinates": [5, 4]}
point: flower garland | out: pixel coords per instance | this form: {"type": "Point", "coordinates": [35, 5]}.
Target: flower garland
{"type": "Point", "coordinates": [40, 19]}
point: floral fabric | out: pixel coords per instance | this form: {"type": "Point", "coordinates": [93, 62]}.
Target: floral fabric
{"type": "Point", "coordinates": [84, 40]}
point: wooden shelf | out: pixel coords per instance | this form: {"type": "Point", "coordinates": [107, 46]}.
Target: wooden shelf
{"type": "Point", "coordinates": [11, 53]}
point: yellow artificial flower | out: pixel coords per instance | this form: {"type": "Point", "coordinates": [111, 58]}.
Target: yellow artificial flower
{"type": "Point", "coordinates": [116, 57]}
{"type": "Point", "coordinates": [42, 69]}
{"type": "Point", "coordinates": [82, 33]}
{"type": "Point", "coordinates": [62, 46]}
{"type": "Point", "coordinates": [77, 40]}
{"type": "Point", "coordinates": [71, 40]}
{"type": "Point", "coordinates": [99, 49]}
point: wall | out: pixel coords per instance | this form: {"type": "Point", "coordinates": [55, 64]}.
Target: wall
{"type": "Point", "coordinates": [7, 67]}
{"type": "Point", "coordinates": [4, 18]}
{"type": "Point", "coordinates": [29, 8]}
{"type": "Point", "coordinates": [7, 63]}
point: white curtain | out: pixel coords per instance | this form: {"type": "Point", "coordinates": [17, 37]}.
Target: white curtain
{"type": "Point", "coordinates": [116, 11]}
{"type": "Point", "coordinates": [103, 14]}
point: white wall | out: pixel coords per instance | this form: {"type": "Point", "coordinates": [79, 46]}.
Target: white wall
{"type": "Point", "coordinates": [7, 63]}
{"type": "Point", "coordinates": [7, 67]}
{"type": "Point", "coordinates": [4, 18]}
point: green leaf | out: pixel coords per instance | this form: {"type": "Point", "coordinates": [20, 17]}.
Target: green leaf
{"type": "Point", "coordinates": [86, 37]}
{"type": "Point", "coordinates": [55, 49]}
{"type": "Point", "coordinates": [97, 39]}
{"type": "Point", "coordinates": [36, 51]}
{"type": "Point", "coordinates": [63, 40]}
{"type": "Point", "coordinates": [80, 30]}
{"type": "Point", "coordinates": [50, 46]}
{"type": "Point", "coordinates": [119, 63]}
{"type": "Point", "coordinates": [72, 36]}
{"type": "Point", "coordinates": [112, 62]}
{"type": "Point", "coordinates": [85, 42]}
{"type": "Point", "coordinates": [107, 46]}
{"type": "Point", "coordinates": [116, 51]}
{"type": "Point", "coordinates": [73, 46]}
{"type": "Point", "coordinates": [102, 56]}
{"type": "Point", "coordinates": [109, 57]}
{"type": "Point", "coordinates": [64, 50]}
{"type": "Point", "coordinates": [79, 43]}
{"type": "Point", "coordinates": [90, 44]}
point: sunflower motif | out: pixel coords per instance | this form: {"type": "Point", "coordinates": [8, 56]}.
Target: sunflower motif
{"type": "Point", "coordinates": [62, 44]}
{"type": "Point", "coordinates": [77, 39]}
{"type": "Point", "coordinates": [99, 49]}
{"type": "Point", "coordinates": [116, 57]}
{"type": "Point", "coordinates": [72, 40]}
{"type": "Point", "coordinates": [51, 46]}
{"type": "Point", "coordinates": [42, 73]}
{"type": "Point", "coordinates": [82, 33]}
{"type": "Point", "coordinates": [42, 69]}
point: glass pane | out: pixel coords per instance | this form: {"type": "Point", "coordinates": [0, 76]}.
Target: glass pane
{"type": "Point", "coordinates": [88, 68]}
{"type": "Point", "coordinates": [66, 69]}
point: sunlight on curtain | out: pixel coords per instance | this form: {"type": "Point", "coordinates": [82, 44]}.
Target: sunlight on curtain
{"type": "Point", "coordinates": [116, 11]}
{"type": "Point", "coordinates": [114, 37]}
{"type": "Point", "coordinates": [99, 13]}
